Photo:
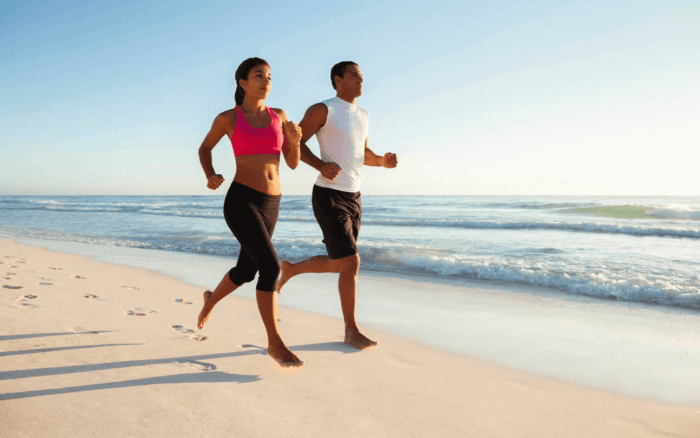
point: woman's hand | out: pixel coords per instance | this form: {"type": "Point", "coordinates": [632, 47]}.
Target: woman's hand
{"type": "Point", "coordinates": [214, 181]}
{"type": "Point", "coordinates": [293, 132]}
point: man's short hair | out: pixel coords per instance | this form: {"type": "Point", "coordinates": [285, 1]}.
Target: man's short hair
{"type": "Point", "coordinates": [339, 70]}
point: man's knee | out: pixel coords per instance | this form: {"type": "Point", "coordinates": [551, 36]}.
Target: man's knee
{"type": "Point", "coordinates": [349, 263]}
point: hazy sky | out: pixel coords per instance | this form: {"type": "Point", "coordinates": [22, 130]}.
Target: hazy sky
{"type": "Point", "coordinates": [475, 97]}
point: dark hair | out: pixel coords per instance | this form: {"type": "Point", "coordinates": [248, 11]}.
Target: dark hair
{"type": "Point", "coordinates": [242, 72]}
{"type": "Point", "coordinates": [339, 70]}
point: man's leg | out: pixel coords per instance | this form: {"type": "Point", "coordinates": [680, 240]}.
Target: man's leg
{"type": "Point", "coordinates": [348, 268]}
{"type": "Point", "coordinates": [316, 264]}
{"type": "Point", "coordinates": [347, 286]}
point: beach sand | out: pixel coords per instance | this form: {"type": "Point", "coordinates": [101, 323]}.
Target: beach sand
{"type": "Point", "coordinates": [94, 349]}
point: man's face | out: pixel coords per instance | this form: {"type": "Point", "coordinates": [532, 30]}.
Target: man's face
{"type": "Point", "coordinates": [351, 82]}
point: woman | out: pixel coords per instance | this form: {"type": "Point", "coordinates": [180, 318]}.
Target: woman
{"type": "Point", "coordinates": [257, 134]}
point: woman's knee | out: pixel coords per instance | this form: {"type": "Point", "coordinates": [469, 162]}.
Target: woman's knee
{"type": "Point", "coordinates": [241, 276]}
{"type": "Point", "coordinates": [268, 277]}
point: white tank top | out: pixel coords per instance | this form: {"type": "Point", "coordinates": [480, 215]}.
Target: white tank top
{"type": "Point", "coordinates": [342, 141]}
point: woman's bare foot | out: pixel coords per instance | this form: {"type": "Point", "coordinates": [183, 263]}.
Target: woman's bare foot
{"type": "Point", "coordinates": [286, 273]}
{"type": "Point", "coordinates": [283, 356]}
{"type": "Point", "coordinates": [357, 340]}
{"type": "Point", "coordinates": [206, 310]}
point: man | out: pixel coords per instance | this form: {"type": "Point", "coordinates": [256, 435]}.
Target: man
{"type": "Point", "coordinates": [341, 129]}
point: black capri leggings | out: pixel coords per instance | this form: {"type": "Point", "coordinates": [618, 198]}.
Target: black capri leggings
{"type": "Point", "coordinates": [251, 216]}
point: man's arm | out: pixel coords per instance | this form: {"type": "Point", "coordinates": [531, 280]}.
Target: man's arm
{"type": "Point", "coordinates": [387, 160]}
{"type": "Point", "coordinates": [314, 119]}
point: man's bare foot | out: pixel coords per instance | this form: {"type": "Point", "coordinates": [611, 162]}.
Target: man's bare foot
{"type": "Point", "coordinates": [283, 356]}
{"type": "Point", "coordinates": [285, 274]}
{"type": "Point", "coordinates": [357, 340]}
{"type": "Point", "coordinates": [206, 310]}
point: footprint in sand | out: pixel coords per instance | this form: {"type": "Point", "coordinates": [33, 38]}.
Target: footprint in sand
{"type": "Point", "coordinates": [78, 277]}
{"type": "Point", "coordinates": [14, 267]}
{"type": "Point", "coordinates": [140, 312]}
{"type": "Point", "coordinates": [45, 284]}
{"type": "Point", "coordinates": [26, 297]}
{"type": "Point", "coordinates": [91, 296]}
{"type": "Point", "coordinates": [130, 287]}
{"type": "Point", "coordinates": [28, 305]}
{"type": "Point", "coordinates": [55, 269]}
{"type": "Point", "coordinates": [181, 301]}
{"type": "Point", "coordinates": [10, 273]}
{"type": "Point", "coordinates": [181, 329]}
{"type": "Point", "coordinates": [196, 365]}
{"type": "Point", "coordinates": [7, 286]}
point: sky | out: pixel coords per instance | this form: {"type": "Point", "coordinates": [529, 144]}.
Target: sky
{"type": "Point", "coordinates": [475, 97]}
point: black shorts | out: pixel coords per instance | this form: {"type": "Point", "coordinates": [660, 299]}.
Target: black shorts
{"type": "Point", "coordinates": [339, 215]}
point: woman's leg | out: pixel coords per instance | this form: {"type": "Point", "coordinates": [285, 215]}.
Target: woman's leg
{"type": "Point", "coordinates": [276, 349]}
{"type": "Point", "coordinates": [263, 253]}
{"type": "Point", "coordinates": [225, 287]}
{"type": "Point", "coordinates": [237, 214]}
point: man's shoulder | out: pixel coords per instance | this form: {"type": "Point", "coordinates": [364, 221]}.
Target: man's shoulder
{"type": "Point", "coordinates": [318, 112]}
{"type": "Point", "coordinates": [321, 106]}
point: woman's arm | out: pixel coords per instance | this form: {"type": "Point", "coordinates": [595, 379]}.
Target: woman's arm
{"type": "Point", "coordinates": [292, 135]}
{"type": "Point", "coordinates": [216, 133]}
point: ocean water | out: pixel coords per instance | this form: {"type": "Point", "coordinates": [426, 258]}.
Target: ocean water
{"type": "Point", "coordinates": [637, 249]}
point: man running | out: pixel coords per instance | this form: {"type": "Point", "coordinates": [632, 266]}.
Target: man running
{"type": "Point", "coordinates": [341, 129]}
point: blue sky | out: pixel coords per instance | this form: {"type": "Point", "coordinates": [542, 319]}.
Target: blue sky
{"type": "Point", "coordinates": [487, 97]}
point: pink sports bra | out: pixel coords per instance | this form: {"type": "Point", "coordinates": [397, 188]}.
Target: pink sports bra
{"type": "Point", "coordinates": [249, 140]}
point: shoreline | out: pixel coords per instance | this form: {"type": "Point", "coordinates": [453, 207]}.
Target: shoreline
{"type": "Point", "coordinates": [122, 361]}
{"type": "Point", "coordinates": [635, 350]}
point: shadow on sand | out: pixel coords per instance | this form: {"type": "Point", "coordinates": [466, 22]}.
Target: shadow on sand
{"type": "Point", "coordinates": [200, 377]}
{"type": "Point", "coordinates": [72, 369]}
{"type": "Point", "coordinates": [340, 347]}
{"type": "Point", "coordinates": [207, 373]}
{"type": "Point", "coordinates": [43, 335]}
{"type": "Point", "coordinates": [52, 349]}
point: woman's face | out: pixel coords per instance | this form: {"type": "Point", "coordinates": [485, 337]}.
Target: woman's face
{"type": "Point", "coordinates": [258, 83]}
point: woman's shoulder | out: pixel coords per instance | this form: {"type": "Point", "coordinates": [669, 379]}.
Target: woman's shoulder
{"type": "Point", "coordinates": [227, 117]}
{"type": "Point", "coordinates": [279, 112]}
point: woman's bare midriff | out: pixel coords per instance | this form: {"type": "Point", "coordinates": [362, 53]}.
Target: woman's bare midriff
{"type": "Point", "coordinates": [259, 172]}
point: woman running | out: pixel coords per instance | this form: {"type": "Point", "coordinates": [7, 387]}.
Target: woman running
{"type": "Point", "coordinates": [258, 134]}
